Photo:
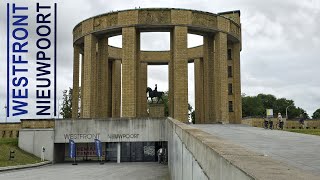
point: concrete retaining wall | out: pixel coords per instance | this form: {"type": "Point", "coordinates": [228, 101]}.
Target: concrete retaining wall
{"type": "Point", "coordinates": [191, 159]}
{"type": "Point", "coordinates": [195, 154]}
{"type": "Point", "coordinates": [32, 140]}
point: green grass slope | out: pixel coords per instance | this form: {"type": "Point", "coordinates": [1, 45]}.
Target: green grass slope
{"type": "Point", "coordinates": [20, 157]}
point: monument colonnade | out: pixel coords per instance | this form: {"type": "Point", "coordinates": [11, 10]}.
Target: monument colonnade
{"type": "Point", "coordinates": [216, 62]}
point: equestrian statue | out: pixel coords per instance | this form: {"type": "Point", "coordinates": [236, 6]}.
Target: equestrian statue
{"type": "Point", "coordinates": [154, 93]}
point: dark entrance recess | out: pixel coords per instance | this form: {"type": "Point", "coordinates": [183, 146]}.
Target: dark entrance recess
{"type": "Point", "coordinates": [130, 151]}
{"type": "Point", "coordinates": [134, 151]}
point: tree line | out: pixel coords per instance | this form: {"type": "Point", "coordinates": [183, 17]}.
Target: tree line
{"type": "Point", "coordinates": [255, 106]}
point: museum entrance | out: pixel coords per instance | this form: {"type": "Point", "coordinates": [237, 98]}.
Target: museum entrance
{"type": "Point", "coordinates": [129, 152]}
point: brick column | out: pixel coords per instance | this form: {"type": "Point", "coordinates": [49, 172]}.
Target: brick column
{"type": "Point", "coordinates": [130, 69]}
{"type": "Point", "coordinates": [237, 83]}
{"type": "Point", "coordinates": [180, 73]}
{"type": "Point", "coordinates": [103, 67]}
{"type": "Point", "coordinates": [143, 81]}
{"type": "Point", "coordinates": [116, 88]}
{"type": "Point", "coordinates": [199, 99]}
{"type": "Point", "coordinates": [89, 75]}
{"type": "Point", "coordinates": [75, 93]}
{"type": "Point", "coordinates": [208, 79]}
{"type": "Point", "coordinates": [221, 77]}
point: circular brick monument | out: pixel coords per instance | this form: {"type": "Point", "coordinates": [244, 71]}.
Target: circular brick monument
{"type": "Point", "coordinates": [216, 62]}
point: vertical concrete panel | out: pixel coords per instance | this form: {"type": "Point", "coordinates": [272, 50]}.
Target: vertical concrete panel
{"type": "Point", "coordinates": [116, 88]}
{"type": "Point", "coordinates": [237, 83]}
{"type": "Point", "coordinates": [44, 138]}
{"type": "Point", "coordinates": [89, 75]}
{"type": "Point", "coordinates": [32, 140]}
{"type": "Point", "coordinates": [102, 98]}
{"type": "Point", "coordinates": [208, 79]}
{"type": "Point", "coordinates": [226, 170]}
{"type": "Point", "coordinates": [129, 72]}
{"type": "Point", "coordinates": [187, 164]}
{"type": "Point", "coordinates": [26, 140]}
{"type": "Point", "coordinates": [237, 174]}
{"type": "Point", "coordinates": [213, 164]}
{"type": "Point", "coordinates": [169, 125]}
{"type": "Point", "coordinates": [197, 172]}
{"type": "Point", "coordinates": [180, 73]}
{"type": "Point", "coordinates": [199, 99]}
{"type": "Point", "coordinates": [221, 78]}
{"type": "Point", "coordinates": [177, 157]}
{"type": "Point", "coordinates": [75, 93]}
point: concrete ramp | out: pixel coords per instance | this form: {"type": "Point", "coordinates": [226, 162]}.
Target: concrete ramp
{"type": "Point", "coordinates": [195, 154]}
{"type": "Point", "coordinates": [298, 150]}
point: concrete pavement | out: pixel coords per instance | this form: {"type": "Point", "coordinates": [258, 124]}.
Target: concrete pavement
{"type": "Point", "coordinates": [94, 171]}
{"type": "Point", "coordinates": [299, 150]}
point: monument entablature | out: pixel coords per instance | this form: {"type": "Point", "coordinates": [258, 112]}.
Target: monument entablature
{"type": "Point", "coordinates": [159, 20]}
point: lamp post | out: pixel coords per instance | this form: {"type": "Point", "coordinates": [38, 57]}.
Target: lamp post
{"type": "Point", "coordinates": [287, 111]}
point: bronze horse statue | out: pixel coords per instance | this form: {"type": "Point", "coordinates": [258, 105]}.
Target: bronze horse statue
{"type": "Point", "coordinates": [153, 94]}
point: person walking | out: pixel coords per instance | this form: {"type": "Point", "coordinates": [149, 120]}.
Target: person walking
{"type": "Point", "coordinates": [265, 123]}
{"type": "Point", "coordinates": [42, 153]}
{"type": "Point", "coordinates": [301, 120]}
{"type": "Point", "coordinates": [160, 151]}
{"type": "Point", "coordinates": [270, 123]}
{"type": "Point", "coordinates": [280, 121]}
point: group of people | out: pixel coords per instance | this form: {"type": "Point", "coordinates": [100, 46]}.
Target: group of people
{"type": "Point", "coordinates": [268, 123]}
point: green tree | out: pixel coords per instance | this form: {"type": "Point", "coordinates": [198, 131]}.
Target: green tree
{"type": "Point", "coordinates": [252, 106]}
{"type": "Point", "coordinates": [193, 117]}
{"type": "Point", "coordinates": [66, 109]}
{"type": "Point", "coordinates": [190, 110]}
{"type": "Point", "coordinates": [165, 98]}
{"type": "Point", "coordinates": [305, 114]}
{"type": "Point", "coordinates": [257, 105]}
{"type": "Point", "coordinates": [267, 100]}
{"type": "Point", "coordinates": [316, 114]}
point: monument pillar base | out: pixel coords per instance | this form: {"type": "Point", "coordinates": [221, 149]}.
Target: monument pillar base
{"type": "Point", "coordinates": [156, 110]}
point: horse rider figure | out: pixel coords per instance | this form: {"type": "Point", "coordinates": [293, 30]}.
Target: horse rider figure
{"type": "Point", "coordinates": [155, 89]}
{"type": "Point", "coordinates": [155, 93]}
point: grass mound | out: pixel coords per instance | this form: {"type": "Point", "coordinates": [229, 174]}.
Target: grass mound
{"type": "Point", "coordinates": [20, 157]}
{"type": "Point", "coordinates": [306, 131]}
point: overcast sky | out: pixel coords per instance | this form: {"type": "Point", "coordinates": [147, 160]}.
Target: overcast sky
{"type": "Point", "coordinates": [280, 53]}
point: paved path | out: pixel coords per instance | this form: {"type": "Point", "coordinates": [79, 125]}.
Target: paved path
{"type": "Point", "coordinates": [88, 171]}
{"type": "Point", "coordinates": [299, 150]}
